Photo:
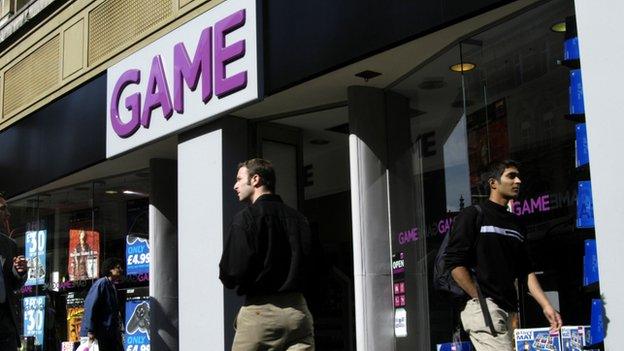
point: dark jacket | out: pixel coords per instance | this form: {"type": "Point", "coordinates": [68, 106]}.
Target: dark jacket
{"type": "Point", "coordinates": [101, 314]}
{"type": "Point", "coordinates": [497, 250]}
{"type": "Point", "coordinates": [269, 249]}
{"type": "Point", "coordinates": [12, 280]}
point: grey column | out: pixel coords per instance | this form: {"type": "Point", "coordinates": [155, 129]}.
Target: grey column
{"type": "Point", "coordinates": [163, 236]}
{"type": "Point", "coordinates": [371, 245]}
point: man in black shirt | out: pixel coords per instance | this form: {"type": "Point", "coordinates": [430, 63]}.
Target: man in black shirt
{"type": "Point", "coordinates": [494, 245]}
{"type": "Point", "coordinates": [268, 256]}
{"type": "Point", "coordinates": [13, 276]}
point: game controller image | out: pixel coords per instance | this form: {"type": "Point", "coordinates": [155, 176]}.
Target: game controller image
{"type": "Point", "coordinates": [139, 321]}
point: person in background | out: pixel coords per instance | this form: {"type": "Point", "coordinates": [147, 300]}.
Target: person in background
{"type": "Point", "coordinates": [12, 277]}
{"type": "Point", "coordinates": [101, 315]}
{"type": "Point", "coordinates": [487, 252]}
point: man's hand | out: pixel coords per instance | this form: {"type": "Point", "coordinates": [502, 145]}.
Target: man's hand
{"type": "Point", "coordinates": [553, 318]}
{"type": "Point", "coordinates": [91, 336]}
{"type": "Point", "coordinates": [20, 264]}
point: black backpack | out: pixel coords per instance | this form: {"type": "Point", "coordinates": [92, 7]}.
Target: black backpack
{"type": "Point", "coordinates": [442, 278]}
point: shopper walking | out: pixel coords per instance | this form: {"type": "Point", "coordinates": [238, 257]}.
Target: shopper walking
{"type": "Point", "coordinates": [12, 277]}
{"type": "Point", "coordinates": [268, 257]}
{"type": "Point", "coordinates": [487, 252]}
{"type": "Point", "coordinates": [101, 315]}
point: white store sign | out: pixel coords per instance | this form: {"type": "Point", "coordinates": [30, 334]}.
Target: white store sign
{"type": "Point", "coordinates": [199, 71]}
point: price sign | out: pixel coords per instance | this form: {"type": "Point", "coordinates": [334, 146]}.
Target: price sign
{"type": "Point", "coordinates": [137, 255]}
{"type": "Point", "coordinates": [36, 256]}
{"type": "Point", "coordinates": [34, 317]}
{"type": "Point", "coordinates": [137, 336]}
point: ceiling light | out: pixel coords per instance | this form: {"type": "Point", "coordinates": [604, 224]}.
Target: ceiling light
{"type": "Point", "coordinates": [559, 27]}
{"type": "Point", "coordinates": [462, 67]}
{"type": "Point", "coordinates": [111, 192]}
{"type": "Point", "coordinates": [137, 193]}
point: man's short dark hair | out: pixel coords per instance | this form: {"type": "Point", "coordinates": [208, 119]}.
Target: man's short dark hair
{"type": "Point", "coordinates": [496, 169]}
{"type": "Point", "coordinates": [108, 265]}
{"type": "Point", "coordinates": [263, 168]}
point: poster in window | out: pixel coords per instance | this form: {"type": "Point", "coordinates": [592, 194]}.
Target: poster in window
{"type": "Point", "coordinates": [137, 323]}
{"type": "Point", "coordinates": [488, 139]}
{"type": "Point", "coordinates": [137, 255]}
{"type": "Point", "coordinates": [84, 249]}
{"type": "Point", "coordinates": [75, 312]}
{"type": "Point", "coordinates": [34, 318]}
{"type": "Point", "coordinates": [36, 256]}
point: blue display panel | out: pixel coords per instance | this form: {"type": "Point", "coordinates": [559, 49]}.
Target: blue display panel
{"type": "Point", "coordinates": [577, 106]}
{"type": "Point", "coordinates": [137, 324]}
{"type": "Point", "coordinates": [137, 255]}
{"type": "Point", "coordinates": [36, 256]}
{"type": "Point", "coordinates": [582, 150]}
{"type": "Point", "coordinates": [34, 318]}
{"type": "Point", "coordinates": [584, 205]}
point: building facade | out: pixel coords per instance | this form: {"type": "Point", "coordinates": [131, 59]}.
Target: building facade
{"type": "Point", "coordinates": [123, 123]}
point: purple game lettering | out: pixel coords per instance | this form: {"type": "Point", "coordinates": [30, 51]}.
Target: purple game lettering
{"type": "Point", "coordinates": [226, 54]}
{"type": "Point", "coordinates": [186, 71]}
{"type": "Point", "coordinates": [157, 93]}
{"type": "Point", "coordinates": [211, 55]}
{"type": "Point", "coordinates": [133, 104]}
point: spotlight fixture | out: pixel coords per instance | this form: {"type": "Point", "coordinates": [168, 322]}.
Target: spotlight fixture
{"type": "Point", "coordinates": [462, 67]}
{"type": "Point", "coordinates": [559, 27]}
{"type": "Point", "coordinates": [367, 75]}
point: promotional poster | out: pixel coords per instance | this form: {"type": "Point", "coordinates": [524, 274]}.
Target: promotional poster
{"type": "Point", "coordinates": [537, 339]}
{"type": "Point", "coordinates": [75, 312]}
{"type": "Point", "coordinates": [137, 323]}
{"type": "Point", "coordinates": [84, 248]}
{"type": "Point", "coordinates": [137, 255]}
{"type": "Point", "coordinates": [34, 318]}
{"type": "Point", "coordinates": [36, 256]}
{"type": "Point", "coordinates": [575, 338]}
{"type": "Point", "coordinates": [584, 205]}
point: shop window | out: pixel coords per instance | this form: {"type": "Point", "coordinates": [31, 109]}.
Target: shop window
{"type": "Point", "coordinates": [509, 104]}
{"type": "Point", "coordinates": [66, 234]}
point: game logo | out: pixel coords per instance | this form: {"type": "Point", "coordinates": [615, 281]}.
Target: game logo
{"type": "Point", "coordinates": [84, 249]}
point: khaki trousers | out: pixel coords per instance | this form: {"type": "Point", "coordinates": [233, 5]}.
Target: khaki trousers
{"type": "Point", "coordinates": [274, 322]}
{"type": "Point", "coordinates": [480, 334]}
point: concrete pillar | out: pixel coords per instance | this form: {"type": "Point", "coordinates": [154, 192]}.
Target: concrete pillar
{"type": "Point", "coordinates": [374, 314]}
{"type": "Point", "coordinates": [163, 238]}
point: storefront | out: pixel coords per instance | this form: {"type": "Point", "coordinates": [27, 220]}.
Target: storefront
{"type": "Point", "coordinates": [379, 137]}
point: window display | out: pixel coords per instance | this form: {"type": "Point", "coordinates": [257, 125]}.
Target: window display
{"type": "Point", "coordinates": [511, 101]}
{"type": "Point", "coordinates": [65, 234]}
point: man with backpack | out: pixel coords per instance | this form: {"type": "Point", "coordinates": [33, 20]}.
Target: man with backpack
{"type": "Point", "coordinates": [486, 253]}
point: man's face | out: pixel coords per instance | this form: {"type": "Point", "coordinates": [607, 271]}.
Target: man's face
{"type": "Point", "coordinates": [244, 186]}
{"type": "Point", "coordinates": [116, 273]}
{"type": "Point", "coordinates": [509, 185]}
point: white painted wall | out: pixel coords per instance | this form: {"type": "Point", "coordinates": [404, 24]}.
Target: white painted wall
{"type": "Point", "coordinates": [602, 54]}
{"type": "Point", "coordinates": [200, 232]}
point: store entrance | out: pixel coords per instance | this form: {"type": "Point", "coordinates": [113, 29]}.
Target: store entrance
{"type": "Point", "coordinates": [310, 154]}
